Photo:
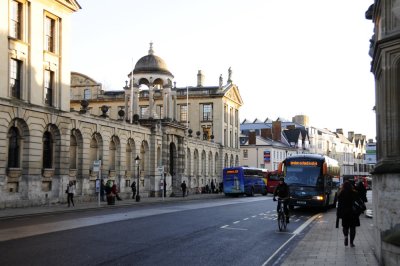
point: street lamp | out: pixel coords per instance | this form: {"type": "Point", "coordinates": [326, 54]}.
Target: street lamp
{"type": "Point", "coordinates": [137, 161]}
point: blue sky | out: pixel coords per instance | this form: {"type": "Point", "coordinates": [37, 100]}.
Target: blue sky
{"type": "Point", "coordinates": [288, 57]}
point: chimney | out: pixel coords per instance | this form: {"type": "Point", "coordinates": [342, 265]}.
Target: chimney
{"type": "Point", "coordinates": [252, 138]}
{"type": "Point", "coordinates": [350, 135]}
{"type": "Point", "coordinates": [339, 131]}
{"type": "Point", "coordinates": [200, 79]}
{"type": "Point", "coordinates": [266, 133]}
{"type": "Point", "coordinates": [276, 130]}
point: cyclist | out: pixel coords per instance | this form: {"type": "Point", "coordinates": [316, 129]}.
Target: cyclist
{"type": "Point", "coordinates": [282, 191]}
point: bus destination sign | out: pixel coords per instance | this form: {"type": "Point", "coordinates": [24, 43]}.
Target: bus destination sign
{"type": "Point", "coordinates": [304, 163]}
{"type": "Point", "coordinates": [232, 171]}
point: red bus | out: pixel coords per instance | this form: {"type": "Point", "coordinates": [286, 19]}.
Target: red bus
{"type": "Point", "coordinates": [272, 180]}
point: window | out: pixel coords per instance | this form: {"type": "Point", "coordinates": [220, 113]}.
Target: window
{"type": "Point", "coordinates": [245, 154]}
{"type": "Point", "coordinates": [226, 113]}
{"type": "Point", "coordinates": [143, 111]}
{"type": "Point", "coordinates": [160, 111]}
{"type": "Point", "coordinates": [236, 117]}
{"type": "Point", "coordinates": [15, 78]}
{"type": "Point", "coordinates": [16, 20]}
{"type": "Point", "coordinates": [47, 151]}
{"type": "Point", "coordinates": [13, 148]}
{"type": "Point", "coordinates": [183, 113]}
{"type": "Point", "coordinates": [207, 112]}
{"type": "Point", "coordinates": [48, 87]}
{"type": "Point", "coordinates": [49, 29]}
{"type": "Point", "coordinates": [87, 94]}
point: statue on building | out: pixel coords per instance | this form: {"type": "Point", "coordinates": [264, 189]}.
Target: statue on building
{"type": "Point", "coordinates": [220, 81]}
{"type": "Point", "coordinates": [229, 75]}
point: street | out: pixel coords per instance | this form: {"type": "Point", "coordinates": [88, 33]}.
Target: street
{"type": "Point", "coordinates": [226, 231]}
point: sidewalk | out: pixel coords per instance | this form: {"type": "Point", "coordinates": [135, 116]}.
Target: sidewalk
{"type": "Point", "coordinates": [80, 206]}
{"type": "Point", "coordinates": [324, 243]}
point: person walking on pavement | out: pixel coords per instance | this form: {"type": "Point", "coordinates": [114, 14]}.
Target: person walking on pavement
{"type": "Point", "coordinates": [133, 187]}
{"type": "Point", "coordinates": [114, 190]}
{"type": "Point", "coordinates": [70, 191]}
{"type": "Point", "coordinates": [183, 186]}
{"type": "Point", "coordinates": [282, 191]}
{"type": "Point", "coordinates": [102, 189]}
{"type": "Point", "coordinates": [362, 191]}
{"type": "Point", "coordinates": [350, 219]}
{"type": "Point", "coordinates": [212, 186]}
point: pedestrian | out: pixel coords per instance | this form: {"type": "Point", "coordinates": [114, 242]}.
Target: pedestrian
{"type": "Point", "coordinates": [350, 219]}
{"type": "Point", "coordinates": [221, 187]}
{"type": "Point", "coordinates": [110, 196]}
{"type": "Point", "coordinates": [70, 193]}
{"type": "Point", "coordinates": [114, 190]}
{"type": "Point", "coordinates": [207, 188]}
{"type": "Point", "coordinates": [212, 186]}
{"type": "Point", "coordinates": [183, 186]}
{"type": "Point", "coordinates": [133, 187]}
{"type": "Point", "coordinates": [362, 191]}
{"type": "Point", "coordinates": [102, 189]}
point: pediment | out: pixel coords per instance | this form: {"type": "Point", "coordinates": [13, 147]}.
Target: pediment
{"type": "Point", "coordinates": [81, 80]}
{"type": "Point", "coordinates": [234, 95]}
{"type": "Point", "coordinates": [71, 4]}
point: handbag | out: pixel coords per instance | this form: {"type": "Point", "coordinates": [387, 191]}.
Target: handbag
{"type": "Point", "coordinates": [358, 207]}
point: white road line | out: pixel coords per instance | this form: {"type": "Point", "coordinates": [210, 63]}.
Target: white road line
{"type": "Point", "coordinates": [296, 232]}
{"type": "Point", "coordinates": [235, 222]}
{"type": "Point", "coordinates": [254, 216]}
{"type": "Point", "coordinates": [224, 226]}
{"type": "Point", "coordinates": [233, 228]}
{"type": "Point", "coordinates": [245, 219]}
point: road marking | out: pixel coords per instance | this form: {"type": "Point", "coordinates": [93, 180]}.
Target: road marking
{"type": "Point", "coordinates": [245, 219]}
{"type": "Point", "coordinates": [295, 233]}
{"type": "Point", "coordinates": [224, 226]}
{"type": "Point", "coordinates": [235, 222]}
{"type": "Point", "coordinates": [233, 228]}
{"type": "Point", "coordinates": [254, 216]}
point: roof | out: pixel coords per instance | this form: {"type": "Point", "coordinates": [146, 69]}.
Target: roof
{"type": "Point", "coordinates": [151, 64]}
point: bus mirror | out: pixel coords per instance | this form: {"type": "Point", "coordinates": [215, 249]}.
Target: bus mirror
{"type": "Point", "coordinates": [280, 168]}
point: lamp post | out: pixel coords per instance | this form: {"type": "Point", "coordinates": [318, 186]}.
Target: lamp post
{"type": "Point", "coordinates": [137, 161]}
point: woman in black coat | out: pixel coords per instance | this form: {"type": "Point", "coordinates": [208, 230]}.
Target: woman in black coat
{"type": "Point", "coordinates": [346, 197]}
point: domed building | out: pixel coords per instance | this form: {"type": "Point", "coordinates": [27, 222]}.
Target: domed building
{"type": "Point", "coordinates": [193, 131]}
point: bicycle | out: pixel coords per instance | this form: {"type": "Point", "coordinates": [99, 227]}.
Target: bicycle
{"type": "Point", "coordinates": [281, 216]}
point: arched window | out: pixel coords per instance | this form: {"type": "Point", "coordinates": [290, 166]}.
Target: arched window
{"type": "Point", "coordinates": [73, 148]}
{"type": "Point", "coordinates": [13, 148]}
{"type": "Point", "coordinates": [47, 150]}
{"type": "Point", "coordinates": [112, 149]}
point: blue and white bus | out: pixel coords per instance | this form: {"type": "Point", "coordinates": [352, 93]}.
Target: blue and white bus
{"type": "Point", "coordinates": [244, 180]}
{"type": "Point", "coordinates": [310, 178]}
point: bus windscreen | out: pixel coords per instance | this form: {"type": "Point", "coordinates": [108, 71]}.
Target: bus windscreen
{"type": "Point", "coordinates": [303, 176]}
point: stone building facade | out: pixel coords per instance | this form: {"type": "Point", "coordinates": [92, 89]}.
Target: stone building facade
{"type": "Point", "coordinates": [385, 53]}
{"type": "Point", "coordinates": [48, 140]}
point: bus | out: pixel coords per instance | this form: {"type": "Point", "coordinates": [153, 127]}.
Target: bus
{"type": "Point", "coordinates": [244, 180]}
{"type": "Point", "coordinates": [310, 178]}
{"type": "Point", "coordinates": [272, 180]}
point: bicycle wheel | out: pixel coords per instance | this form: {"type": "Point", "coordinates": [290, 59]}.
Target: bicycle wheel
{"type": "Point", "coordinates": [281, 220]}
{"type": "Point", "coordinates": [284, 221]}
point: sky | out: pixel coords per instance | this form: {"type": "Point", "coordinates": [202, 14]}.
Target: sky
{"type": "Point", "coordinates": [287, 57]}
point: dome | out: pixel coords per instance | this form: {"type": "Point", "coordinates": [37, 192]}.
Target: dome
{"type": "Point", "coordinates": [151, 64]}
